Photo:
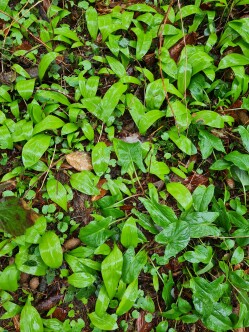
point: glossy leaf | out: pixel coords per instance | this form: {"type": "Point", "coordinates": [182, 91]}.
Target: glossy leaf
{"type": "Point", "coordinates": [202, 197]}
{"type": "Point", "coordinates": [116, 66]}
{"type": "Point", "coordinates": [25, 88]}
{"type": "Point", "coordinates": [184, 76]}
{"type": "Point", "coordinates": [106, 322]}
{"type": "Point", "coordinates": [133, 264]}
{"type": "Point", "coordinates": [238, 256]}
{"type": "Point", "coordinates": [182, 142]}
{"type": "Point", "coordinates": [144, 40]}
{"type": "Point", "coordinates": [30, 319]}
{"type": "Point", "coordinates": [50, 122]}
{"type": "Point", "coordinates": [57, 193]}
{"type": "Point", "coordinates": [9, 278]}
{"type": "Point", "coordinates": [129, 235]}
{"type": "Point", "coordinates": [45, 62]}
{"type": "Point", "coordinates": [129, 298]}
{"type": "Point", "coordinates": [92, 21]}
{"type": "Point", "coordinates": [85, 182]}
{"type": "Point", "coordinates": [50, 250]}
{"type": "Point", "coordinates": [238, 159]}
{"type": "Point", "coordinates": [102, 302]}
{"type": "Point", "coordinates": [34, 149]}
{"type": "Point", "coordinates": [81, 279]}
{"type": "Point", "coordinates": [100, 158]}
{"type": "Point", "coordinates": [244, 133]}
{"type": "Point", "coordinates": [111, 270]}
{"type": "Point", "coordinates": [180, 113]}
{"type": "Point", "coordinates": [209, 118]}
{"type": "Point", "coordinates": [232, 60]}
{"type": "Point", "coordinates": [181, 194]}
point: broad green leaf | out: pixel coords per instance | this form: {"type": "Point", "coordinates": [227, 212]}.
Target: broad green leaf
{"type": "Point", "coordinates": [181, 114]}
{"type": "Point", "coordinates": [176, 236]}
{"type": "Point", "coordinates": [220, 164]}
{"type": "Point", "coordinates": [238, 159]}
{"type": "Point", "coordinates": [66, 32]}
{"type": "Point", "coordinates": [144, 40]}
{"type": "Point", "coordinates": [50, 250]}
{"type": "Point", "coordinates": [208, 142]}
{"type": "Point", "coordinates": [100, 158]}
{"type": "Point", "coordinates": [50, 122]}
{"type": "Point", "coordinates": [30, 263]}
{"type": "Point", "coordinates": [6, 141]}
{"type": "Point", "coordinates": [96, 232]}
{"type": "Point", "coordinates": [116, 66]}
{"type": "Point", "coordinates": [92, 21]}
{"type": "Point", "coordinates": [188, 10]}
{"type": "Point", "coordinates": [129, 235]}
{"type": "Point", "coordinates": [45, 62]}
{"type": "Point", "coordinates": [182, 142]}
{"type": "Point", "coordinates": [184, 75]}
{"type": "Point", "coordinates": [209, 118]}
{"type": "Point", "coordinates": [4, 95]}
{"type": "Point", "coordinates": [133, 264]}
{"type": "Point", "coordinates": [202, 196]}
{"type": "Point", "coordinates": [81, 279]}
{"type": "Point", "coordinates": [232, 60]}
{"type": "Point", "coordinates": [238, 256]}
{"type": "Point", "coordinates": [111, 270]}
{"type": "Point", "coordinates": [244, 134]}
{"type": "Point", "coordinates": [106, 322]}
{"type": "Point", "coordinates": [201, 254]}
{"type": "Point", "coordinates": [20, 70]}
{"type": "Point", "coordinates": [148, 119]}
{"type": "Point", "coordinates": [25, 88]}
{"type": "Point", "coordinates": [128, 299]}
{"type": "Point", "coordinates": [15, 216]}
{"type": "Point", "coordinates": [219, 319]}
{"type": "Point", "coordinates": [85, 182]}
{"type": "Point", "coordinates": [142, 7]}
{"type": "Point", "coordinates": [54, 96]}
{"type": "Point", "coordinates": [89, 87]}
{"type": "Point", "coordinates": [181, 194]}
{"type": "Point", "coordinates": [110, 100]}
{"type": "Point", "coordinates": [129, 155]}
{"type": "Point", "coordinates": [57, 193]}
{"type": "Point", "coordinates": [162, 215]}
{"type": "Point", "coordinates": [30, 319]}
{"type": "Point", "coordinates": [9, 278]}
{"type": "Point", "coordinates": [102, 302]}
{"type": "Point", "coordinates": [240, 175]}
{"type": "Point", "coordinates": [34, 149]}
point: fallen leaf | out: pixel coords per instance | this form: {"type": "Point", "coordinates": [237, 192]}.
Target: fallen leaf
{"type": "Point", "coordinates": [102, 191]}
{"type": "Point", "coordinates": [60, 314]}
{"type": "Point", "coordinates": [15, 216]}
{"type": "Point", "coordinates": [142, 325]}
{"type": "Point", "coordinates": [175, 51]}
{"type": "Point", "coordinates": [79, 160]}
{"type": "Point", "coordinates": [49, 303]}
{"type": "Point", "coordinates": [195, 180]}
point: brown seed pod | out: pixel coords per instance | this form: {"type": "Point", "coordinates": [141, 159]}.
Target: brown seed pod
{"type": "Point", "coordinates": [72, 243]}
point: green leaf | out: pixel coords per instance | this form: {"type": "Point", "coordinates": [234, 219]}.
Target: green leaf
{"type": "Point", "coordinates": [81, 279]}
{"type": "Point", "coordinates": [188, 10]}
{"type": "Point", "coordinates": [20, 70]}
{"type": "Point", "coordinates": [144, 40]}
{"type": "Point", "coordinates": [102, 302]}
{"type": "Point", "coordinates": [34, 149]}
{"type": "Point", "coordinates": [202, 196]}
{"type": "Point", "coordinates": [57, 193]}
{"type": "Point", "coordinates": [184, 75]}
{"type": "Point", "coordinates": [45, 62]}
{"type": "Point", "coordinates": [9, 278]}
{"type": "Point", "coordinates": [111, 270]}
{"type": "Point", "coordinates": [181, 194]}
{"type": "Point", "coordinates": [96, 232]}
{"type": "Point", "coordinates": [182, 142]}
{"type": "Point", "coordinates": [180, 113]}
{"type": "Point", "coordinates": [238, 256]}
{"type": "Point", "coordinates": [92, 21]}
{"type": "Point", "coordinates": [50, 250]}
{"type": "Point", "coordinates": [128, 299]}
{"type": "Point", "coordinates": [161, 214]}
{"type": "Point", "coordinates": [66, 32]}
{"type": "Point", "coordinates": [100, 158]}
{"type": "Point", "coordinates": [30, 320]}
{"type": "Point", "coordinates": [53, 96]}
{"type": "Point", "coordinates": [142, 7]}
{"type": "Point", "coordinates": [30, 263]}
{"type": "Point", "coordinates": [15, 216]}
{"type": "Point", "coordinates": [176, 237]}
{"type": "Point", "coordinates": [133, 264]}
{"type": "Point", "coordinates": [85, 182]}
{"type": "Point", "coordinates": [116, 66]}
{"type": "Point", "coordinates": [209, 118]}
{"type": "Point", "coordinates": [50, 122]}
{"type": "Point", "coordinates": [25, 88]}
{"type": "Point", "coordinates": [106, 322]}
{"type": "Point", "coordinates": [238, 159]}
{"type": "Point", "coordinates": [129, 155]}
{"type": "Point", "coordinates": [89, 87]}
{"type": "Point", "coordinates": [129, 235]}
{"type": "Point", "coordinates": [208, 142]}
{"type": "Point", "coordinates": [200, 224]}
{"type": "Point", "coordinates": [232, 60]}
{"type": "Point", "coordinates": [6, 141]}
{"type": "Point", "coordinates": [244, 133]}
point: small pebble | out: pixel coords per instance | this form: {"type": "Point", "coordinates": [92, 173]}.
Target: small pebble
{"type": "Point", "coordinates": [34, 283]}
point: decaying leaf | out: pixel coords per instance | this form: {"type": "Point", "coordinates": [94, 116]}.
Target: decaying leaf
{"type": "Point", "coordinates": [101, 190]}
{"type": "Point", "coordinates": [81, 161]}
{"type": "Point", "coordinates": [195, 180]}
{"type": "Point", "coordinates": [15, 215]}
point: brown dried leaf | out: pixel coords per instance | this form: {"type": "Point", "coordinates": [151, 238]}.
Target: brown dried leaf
{"type": "Point", "coordinates": [46, 4]}
{"type": "Point", "coordinates": [60, 314]}
{"type": "Point", "coordinates": [142, 325]}
{"type": "Point", "coordinates": [81, 161]}
{"type": "Point", "coordinates": [195, 180]}
{"type": "Point", "coordinates": [49, 303]}
{"type": "Point", "coordinates": [239, 115]}
{"type": "Point", "coordinates": [16, 321]}
{"type": "Point", "coordinates": [175, 51]}
{"type": "Point", "coordinates": [102, 191]}
{"type": "Point", "coordinates": [7, 78]}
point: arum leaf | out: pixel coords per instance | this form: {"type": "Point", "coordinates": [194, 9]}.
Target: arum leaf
{"type": "Point", "coordinates": [181, 194]}
{"type": "Point", "coordinates": [30, 320]}
{"type": "Point", "coordinates": [50, 122]}
{"type": "Point", "coordinates": [111, 270]}
{"type": "Point", "coordinates": [81, 279]}
{"type": "Point", "coordinates": [25, 88]}
{"type": "Point", "coordinates": [86, 182]}
{"type": "Point", "coordinates": [45, 62]}
{"type": "Point", "coordinates": [129, 298]}
{"type": "Point", "coordinates": [232, 60]}
{"type": "Point", "coordinates": [50, 250]}
{"type": "Point", "coordinates": [57, 193]}
{"type": "Point", "coordinates": [34, 149]}
{"type": "Point", "coordinates": [15, 216]}
{"type": "Point", "coordinates": [106, 322]}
